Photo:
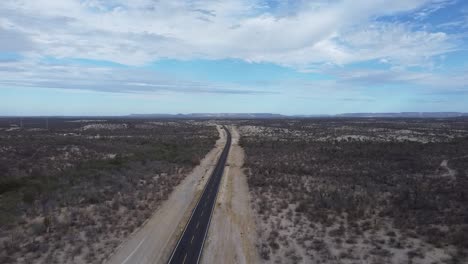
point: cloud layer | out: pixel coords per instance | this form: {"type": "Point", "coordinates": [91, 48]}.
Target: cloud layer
{"type": "Point", "coordinates": [300, 34]}
{"type": "Point", "coordinates": [387, 39]}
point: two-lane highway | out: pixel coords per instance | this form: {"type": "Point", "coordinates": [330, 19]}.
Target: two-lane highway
{"type": "Point", "coordinates": [190, 245]}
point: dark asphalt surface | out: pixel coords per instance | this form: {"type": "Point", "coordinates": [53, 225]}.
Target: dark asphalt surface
{"type": "Point", "coordinates": [190, 245]}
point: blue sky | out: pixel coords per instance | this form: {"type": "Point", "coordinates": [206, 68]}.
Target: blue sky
{"type": "Point", "coordinates": [114, 57]}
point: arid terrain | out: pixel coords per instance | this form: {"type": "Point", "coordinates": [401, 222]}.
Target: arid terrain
{"type": "Point", "coordinates": [359, 190]}
{"type": "Point", "coordinates": [232, 236]}
{"type": "Point", "coordinates": [72, 190]}
{"type": "Point", "coordinates": [336, 190]}
{"type": "Point", "coordinates": [154, 242]}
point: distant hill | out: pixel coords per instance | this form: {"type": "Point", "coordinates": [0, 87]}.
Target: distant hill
{"type": "Point", "coordinates": [264, 116]}
{"type": "Point", "coordinates": [272, 116]}
{"type": "Point", "coordinates": [407, 114]}
{"type": "Point", "coordinates": [213, 115]}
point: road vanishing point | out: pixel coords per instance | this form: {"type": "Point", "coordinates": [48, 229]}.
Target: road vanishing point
{"type": "Point", "coordinates": [190, 245]}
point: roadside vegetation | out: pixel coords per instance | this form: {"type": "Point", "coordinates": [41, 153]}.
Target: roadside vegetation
{"type": "Point", "coordinates": [359, 190]}
{"type": "Point", "coordinates": [73, 192]}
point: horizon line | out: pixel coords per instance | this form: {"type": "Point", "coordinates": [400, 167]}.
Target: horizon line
{"type": "Point", "coordinates": [237, 113]}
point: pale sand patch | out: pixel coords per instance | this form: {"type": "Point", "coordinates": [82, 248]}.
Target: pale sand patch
{"type": "Point", "coordinates": [154, 241]}
{"type": "Point", "coordinates": [450, 173]}
{"type": "Point", "coordinates": [232, 233]}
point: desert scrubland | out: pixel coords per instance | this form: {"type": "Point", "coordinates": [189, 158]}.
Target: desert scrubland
{"type": "Point", "coordinates": [72, 190]}
{"type": "Point", "coordinates": [331, 190]}
{"type": "Point", "coordinates": [358, 190]}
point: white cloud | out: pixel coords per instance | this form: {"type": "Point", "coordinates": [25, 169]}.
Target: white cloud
{"type": "Point", "coordinates": [299, 34]}
{"type": "Point", "coordinates": [428, 81]}
{"type": "Point", "coordinates": [104, 79]}
{"type": "Point", "coordinates": [397, 44]}
{"type": "Point", "coordinates": [12, 41]}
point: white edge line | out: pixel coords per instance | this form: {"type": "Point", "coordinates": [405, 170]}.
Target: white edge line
{"type": "Point", "coordinates": [212, 209]}
{"type": "Point", "coordinates": [147, 220]}
{"type": "Point", "coordinates": [186, 225]}
{"type": "Point", "coordinates": [133, 252]}
{"type": "Point", "coordinates": [193, 211]}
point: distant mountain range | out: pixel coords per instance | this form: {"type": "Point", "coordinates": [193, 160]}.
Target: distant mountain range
{"type": "Point", "coordinates": [265, 115]}
{"type": "Point", "coordinates": [407, 114]}
{"type": "Point", "coordinates": [273, 116]}
{"type": "Point", "coordinates": [212, 115]}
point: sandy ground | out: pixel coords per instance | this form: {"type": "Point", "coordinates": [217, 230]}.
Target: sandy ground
{"type": "Point", "coordinates": [154, 241]}
{"type": "Point", "coordinates": [231, 237]}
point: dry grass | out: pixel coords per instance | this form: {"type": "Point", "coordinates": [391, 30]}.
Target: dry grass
{"type": "Point", "coordinates": [354, 200]}
{"type": "Point", "coordinates": [70, 195]}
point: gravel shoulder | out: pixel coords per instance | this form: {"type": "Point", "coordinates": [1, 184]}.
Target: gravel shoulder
{"type": "Point", "coordinates": [154, 241]}
{"type": "Point", "coordinates": [232, 233]}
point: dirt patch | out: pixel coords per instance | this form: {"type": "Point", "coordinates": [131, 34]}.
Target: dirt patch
{"type": "Point", "coordinates": [231, 237]}
{"type": "Point", "coordinates": [153, 243]}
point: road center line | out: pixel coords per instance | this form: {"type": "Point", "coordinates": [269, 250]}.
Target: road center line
{"type": "Point", "coordinates": [211, 189]}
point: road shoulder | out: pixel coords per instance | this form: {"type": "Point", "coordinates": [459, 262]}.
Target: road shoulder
{"type": "Point", "coordinates": [154, 241]}
{"type": "Point", "coordinates": [232, 233]}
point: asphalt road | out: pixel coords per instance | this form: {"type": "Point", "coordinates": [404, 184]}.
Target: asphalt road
{"type": "Point", "coordinates": [190, 245]}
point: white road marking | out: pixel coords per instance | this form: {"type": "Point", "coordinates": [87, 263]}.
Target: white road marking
{"type": "Point", "coordinates": [133, 252]}
{"type": "Point", "coordinates": [198, 223]}
{"type": "Point", "coordinates": [209, 186]}
{"type": "Point", "coordinates": [191, 240]}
